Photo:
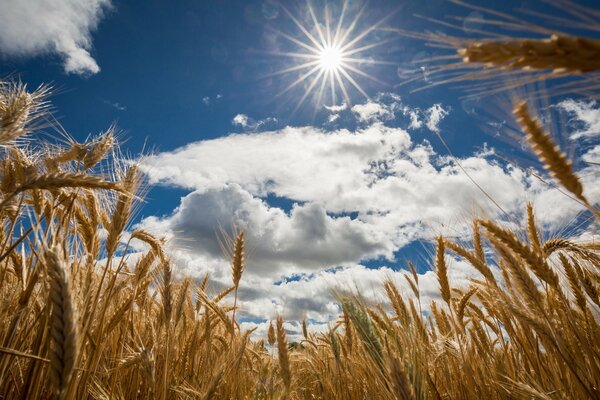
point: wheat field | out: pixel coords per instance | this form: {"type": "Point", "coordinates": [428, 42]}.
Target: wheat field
{"type": "Point", "coordinates": [79, 321]}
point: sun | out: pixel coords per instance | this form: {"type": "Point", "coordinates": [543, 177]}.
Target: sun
{"type": "Point", "coordinates": [330, 55]}
{"type": "Point", "coordinates": [330, 58]}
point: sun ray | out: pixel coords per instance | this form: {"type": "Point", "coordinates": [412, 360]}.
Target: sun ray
{"type": "Point", "coordinates": [365, 75]}
{"type": "Point", "coordinates": [303, 29]}
{"type": "Point", "coordinates": [309, 89]}
{"type": "Point", "coordinates": [298, 42]}
{"type": "Point", "coordinates": [364, 33]}
{"type": "Point", "coordinates": [292, 69]}
{"type": "Point", "coordinates": [327, 28]}
{"type": "Point", "coordinates": [322, 89]}
{"type": "Point", "coordinates": [368, 46]}
{"type": "Point", "coordinates": [354, 83]}
{"type": "Point", "coordinates": [352, 26]}
{"type": "Point", "coordinates": [367, 61]}
{"type": "Point", "coordinates": [332, 85]}
{"type": "Point", "coordinates": [342, 86]}
{"type": "Point", "coordinates": [298, 81]}
{"type": "Point", "coordinates": [317, 25]}
{"type": "Point", "coordinates": [339, 24]}
{"type": "Point", "coordinates": [294, 55]}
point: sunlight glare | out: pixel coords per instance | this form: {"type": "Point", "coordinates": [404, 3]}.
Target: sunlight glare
{"type": "Point", "coordinates": [330, 58]}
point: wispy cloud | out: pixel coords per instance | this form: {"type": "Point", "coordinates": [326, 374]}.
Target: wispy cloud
{"type": "Point", "coordinates": [336, 108]}
{"type": "Point", "coordinates": [207, 100]}
{"type": "Point", "coordinates": [247, 123]}
{"type": "Point", "coordinates": [435, 114]}
{"type": "Point", "coordinates": [586, 117]}
{"type": "Point", "coordinates": [115, 105]}
{"type": "Point", "coordinates": [35, 27]}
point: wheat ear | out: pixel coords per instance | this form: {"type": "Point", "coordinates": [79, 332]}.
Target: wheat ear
{"type": "Point", "coordinates": [271, 334]}
{"type": "Point", "coordinates": [532, 258]}
{"type": "Point", "coordinates": [122, 211]}
{"type": "Point", "coordinates": [100, 149]}
{"type": "Point", "coordinates": [63, 330]}
{"type": "Point", "coordinates": [237, 261]}
{"type": "Point", "coordinates": [569, 54]}
{"type": "Point", "coordinates": [532, 231]}
{"type": "Point", "coordinates": [282, 352]}
{"type": "Point", "coordinates": [442, 270]}
{"type": "Point", "coordinates": [544, 147]}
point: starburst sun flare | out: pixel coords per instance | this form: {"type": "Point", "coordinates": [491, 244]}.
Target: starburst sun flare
{"type": "Point", "coordinates": [329, 58]}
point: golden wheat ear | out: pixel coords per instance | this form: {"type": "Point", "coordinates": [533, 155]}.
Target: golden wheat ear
{"type": "Point", "coordinates": [63, 329]}
{"type": "Point", "coordinates": [573, 55]}
{"type": "Point", "coordinates": [271, 334]}
{"type": "Point", "coordinates": [20, 109]}
{"type": "Point", "coordinates": [548, 152]}
{"type": "Point", "coordinates": [284, 358]}
{"type": "Point", "coordinates": [442, 270]}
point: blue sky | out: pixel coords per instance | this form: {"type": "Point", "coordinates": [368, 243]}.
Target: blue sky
{"type": "Point", "coordinates": [193, 84]}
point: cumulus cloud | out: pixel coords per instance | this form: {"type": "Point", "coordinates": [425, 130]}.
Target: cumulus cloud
{"type": "Point", "coordinates": [372, 111]}
{"type": "Point", "coordinates": [586, 117]}
{"type": "Point", "coordinates": [304, 239]}
{"type": "Point", "coordinates": [34, 27]}
{"type": "Point", "coordinates": [318, 204]}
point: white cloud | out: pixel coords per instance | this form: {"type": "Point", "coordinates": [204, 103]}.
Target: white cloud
{"type": "Point", "coordinates": [34, 27]}
{"type": "Point", "coordinates": [341, 197]}
{"type": "Point", "coordinates": [372, 111]}
{"type": "Point", "coordinates": [243, 121]}
{"type": "Point", "coordinates": [415, 121]}
{"type": "Point", "coordinates": [336, 108]}
{"type": "Point", "coordinates": [592, 155]}
{"type": "Point", "coordinates": [435, 114]}
{"type": "Point", "coordinates": [302, 240]}
{"type": "Point", "coordinates": [240, 120]}
{"type": "Point", "coordinates": [388, 106]}
{"type": "Point", "coordinates": [586, 117]}
{"type": "Point", "coordinates": [332, 118]}
{"type": "Point", "coordinates": [398, 190]}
